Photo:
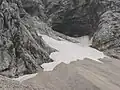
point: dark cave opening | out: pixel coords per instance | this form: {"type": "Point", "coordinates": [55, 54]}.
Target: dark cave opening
{"type": "Point", "coordinates": [74, 29]}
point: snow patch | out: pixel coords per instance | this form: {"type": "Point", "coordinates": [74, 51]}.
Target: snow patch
{"type": "Point", "coordinates": [85, 41]}
{"type": "Point", "coordinates": [25, 77]}
{"type": "Point", "coordinates": [68, 52]}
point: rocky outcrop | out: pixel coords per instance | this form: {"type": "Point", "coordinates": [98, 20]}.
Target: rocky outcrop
{"type": "Point", "coordinates": [107, 36]}
{"type": "Point", "coordinates": [22, 50]}
{"type": "Point", "coordinates": [35, 8]}
{"type": "Point", "coordinates": [70, 17]}
{"type": "Point", "coordinates": [73, 17]}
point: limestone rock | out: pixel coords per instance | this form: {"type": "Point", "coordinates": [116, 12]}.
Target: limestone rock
{"type": "Point", "coordinates": [107, 36]}
{"type": "Point", "coordinates": [22, 50]}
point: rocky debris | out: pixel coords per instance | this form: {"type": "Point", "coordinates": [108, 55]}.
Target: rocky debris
{"type": "Point", "coordinates": [63, 77]}
{"type": "Point", "coordinates": [107, 36]}
{"type": "Point", "coordinates": [81, 75]}
{"type": "Point", "coordinates": [7, 84]}
{"type": "Point", "coordinates": [22, 50]}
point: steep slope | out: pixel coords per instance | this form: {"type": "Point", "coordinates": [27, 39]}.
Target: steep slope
{"type": "Point", "coordinates": [81, 75]}
{"type": "Point", "coordinates": [22, 51]}
{"type": "Point", "coordinates": [70, 17]}
{"type": "Point", "coordinates": [73, 17]}
{"type": "Point", "coordinates": [25, 50]}
{"type": "Point", "coordinates": [107, 36]}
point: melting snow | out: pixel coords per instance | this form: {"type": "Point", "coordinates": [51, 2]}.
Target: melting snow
{"type": "Point", "coordinates": [68, 52]}
{"type": "Point", "coordinates": [25, 77]}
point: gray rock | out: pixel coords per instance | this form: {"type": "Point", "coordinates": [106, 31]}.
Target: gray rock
{"type": "Point", "coordinates": [107, 36]}
{"type": "Point", "coordinates": [70, 17]}
{"type": "Point", "coordinates": [73, 17]}
{"type": "Point", "coordinates": [22, 51]}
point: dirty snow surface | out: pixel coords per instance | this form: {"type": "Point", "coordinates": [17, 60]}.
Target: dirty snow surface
{"type": "Point", "coordinates": [68, 52]}
{"type": "Point", "coordinates": [25, 77]}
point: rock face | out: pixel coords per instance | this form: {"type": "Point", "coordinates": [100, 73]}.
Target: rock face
{"type": "Point", "coordinates": [73, 17]}
{"type": "Point", "coordinates": [107, 36]}
{"type": "Point", "coordinates": [70, 17]}
{"type": "Point", "coordinates": [87, 17]}
{"type": "Point", "coordinates": [22, 50]}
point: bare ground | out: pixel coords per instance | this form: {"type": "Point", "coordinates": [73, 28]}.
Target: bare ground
{"type": "Point", "coordinates": [81, 75]}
